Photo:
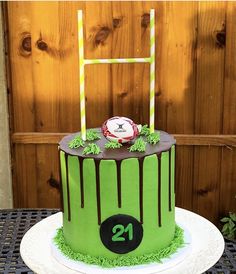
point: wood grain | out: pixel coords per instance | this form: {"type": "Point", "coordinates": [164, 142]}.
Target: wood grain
{"type": "Point", "coordinates": [176, 85]}
{"type": "Point", "coordinates": [98, 37]}
{"type": "Point", "coordinates": [208, 108]}
{"type": "Point", "coordinates": [184, 161]}
{"type": "Point", "coordinates": [22, 111]}
{"type": "Point", "coordinates": [46, 56]}
{"type": "Point", "coordinates": [67, 84]}
{"type": "Point", "coordinates": [126, 42]}
{"type": "Point", "coordinates": [228, 160]}
{"type": "Point", "coordinates": [181, 139]}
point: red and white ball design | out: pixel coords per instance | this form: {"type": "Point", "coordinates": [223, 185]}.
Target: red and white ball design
{"type": "Point", "coordinates": [120, 129]}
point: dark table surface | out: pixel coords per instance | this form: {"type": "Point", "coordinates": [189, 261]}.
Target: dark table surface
{"type": "Point", "coordinates": [15, 223]}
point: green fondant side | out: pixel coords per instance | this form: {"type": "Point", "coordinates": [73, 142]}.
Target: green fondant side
{"type": "Point", "coordinates": [173, 178]}
{"type": "Point", "coordinates": [82, 232]}
{"type": "Point", "coordinates": [130, 188]}
{"type": "Point", "coordinates": [108, 189]}
{"type": "Point", "coordinates": [64, 190]}
{"type": "Point", "coordinates": [168, 218]}
{"type": "Point", "coordinates": [155, 256]}
{"type": "Point", "coordinates": [155, 236]}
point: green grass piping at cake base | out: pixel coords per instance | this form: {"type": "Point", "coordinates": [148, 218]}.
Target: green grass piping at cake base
{"type": "Point", "coordinates": [122, 260]}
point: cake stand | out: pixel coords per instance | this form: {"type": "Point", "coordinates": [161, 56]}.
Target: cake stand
{"type": "Point", "coordinates": [207, 246]}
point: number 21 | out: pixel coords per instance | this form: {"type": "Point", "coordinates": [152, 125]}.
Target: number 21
{"type": "Point", "coordinates": [119, 230]}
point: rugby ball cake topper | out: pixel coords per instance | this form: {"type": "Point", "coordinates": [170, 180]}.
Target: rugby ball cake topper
{"type": "Point", "coordinates": [120, 129]}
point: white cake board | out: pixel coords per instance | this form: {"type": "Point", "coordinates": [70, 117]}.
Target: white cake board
{"type": "Point", "coordinates": [167, 263]}
{"type": "Point", "coordinates": [207, 246]}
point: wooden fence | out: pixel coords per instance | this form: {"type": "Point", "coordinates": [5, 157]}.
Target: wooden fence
{"type": "Point", "coordinates": [195, 89]}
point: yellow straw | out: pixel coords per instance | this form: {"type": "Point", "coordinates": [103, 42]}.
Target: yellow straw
{"type": "Point", "coordinates": [152, 70]}
{"type": "Point", "coordinates": [81, 67]}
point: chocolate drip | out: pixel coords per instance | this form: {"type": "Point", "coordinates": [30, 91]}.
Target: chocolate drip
{"type": "Point", "coordinates": [141, 188]}
{"type": "Point", "coordinates": [97, 163]}
{"type": "Point", "coordinates": [159, 190]}
{"type": "Point", "coordinates": [81, 181]}
{"type": "Point", "coordinates": [67, 187]}
{"type": "Point", "coordinates": [118, 168]}
{"type": "Point", "coordinates": [60, 179]}
{"type": "Point", "coordinates": [170, 179]}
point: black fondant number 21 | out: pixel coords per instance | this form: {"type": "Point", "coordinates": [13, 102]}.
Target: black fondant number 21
{"type": "Point", "coordinates": [119, 230]}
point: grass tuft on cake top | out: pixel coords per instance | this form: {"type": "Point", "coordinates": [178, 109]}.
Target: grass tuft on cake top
{"type": "Point", "coordinates": [76, 142]}
{"type": "Point", "coordinates": [145, 130]}
{"type": "Point", "coordinates": [139, 145]}
{"type": "Point", "coordinates": [113, 144]}
{"type": "Point", "coordinates": [92, 135]}
{"type": "Point", "coordinates": [91, 149]}
{"type": "Point", "coordinates": [153, 138]}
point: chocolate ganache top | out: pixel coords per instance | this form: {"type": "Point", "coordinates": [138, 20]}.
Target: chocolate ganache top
{"type": "Point", "coordinates": [165, 143]}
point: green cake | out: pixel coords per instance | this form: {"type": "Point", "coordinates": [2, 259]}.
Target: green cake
{"type": "Point", "coordinates": [118, 202]}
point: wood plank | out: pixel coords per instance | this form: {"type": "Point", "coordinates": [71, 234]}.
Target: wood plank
{"type": "Point", "coordinates": [45, 193]}
{"type": "Point", "coordinates": [227, 197]}
{"type": "Point", "coordinates": [206, 140]}
{"type": "Point", "coordinates": [48, 194]}
{"type": "Point", "coordinates": [19, 25]}
{"type": "Point", "coordinates": [46, 58]}
{"type": "Point", "coordinates": [177, 67]}
{"type": "Point", "coordinates": [46, 64]}
{"type": "Point", "coordinates": [228, 170]}
{"type": "Point", "coordinates": [183, 163]}
{"type": "Point", "coordinates": [98, 35]}
{"type": "Point", "coordinates": [22, 102]}
{"type": "Point", "coordinates": [127, 86]}
{"type": "Point", "coordinates": [176, 85]}
{"type": "Point", "coordinates": [26, 187]}
{"type": "Point", "coordinates": [182, 139]}
{"type": "Point", "coordinates": [5, 165]}
{"type": "Point", "coordinates": [67, 73]}
{"type": "Point", "coordinates": [208, 108]}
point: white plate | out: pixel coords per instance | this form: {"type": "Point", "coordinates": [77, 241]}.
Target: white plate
{"type": "Point", "coordinates": [207, 246]}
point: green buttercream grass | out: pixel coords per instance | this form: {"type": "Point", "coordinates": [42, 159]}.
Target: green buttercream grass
{"type": "Point", "coordinates": [92, 135]}
{"type": "Point", "coordinates": [76, 142]}
{"type": "Point", "coordinates": [153, 138]}
{"type": "Point", "coordinates": [91, 149]}
{"type": "Point", "coordinates": [113, 144]}
{"type": "Point", "coordinates": [139, 145]}
{"type": "Point", "coordinates": [122, 260]}
{"type": "Point", "coordinates": [145, 130]}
